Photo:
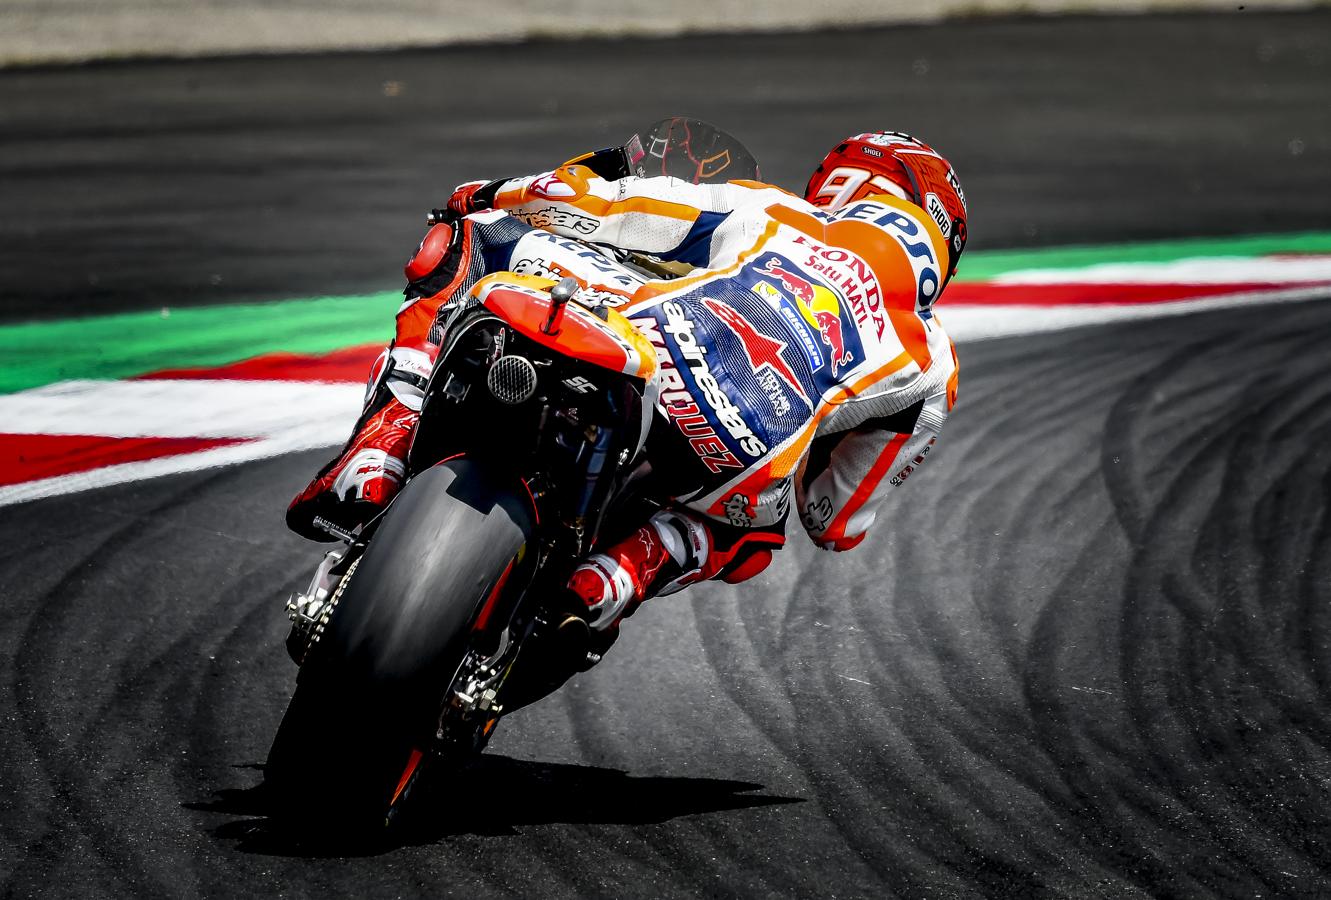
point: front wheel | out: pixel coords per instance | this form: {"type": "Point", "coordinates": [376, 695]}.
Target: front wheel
{"type": "Point", "coordinates": [367, 700]}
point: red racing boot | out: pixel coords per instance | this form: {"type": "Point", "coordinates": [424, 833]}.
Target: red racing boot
{"type": "Point", "coordinates": [665, 550]}
{"type": "Point", "coordinates": [668, 553]}
{"type": "Point", "coordinates": [368, 473]}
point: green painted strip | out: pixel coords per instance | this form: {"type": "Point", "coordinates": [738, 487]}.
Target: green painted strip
{"type": "Point", "coordinates": [129, 344]}
{"type": "Point", "coordinates": [987, 264]}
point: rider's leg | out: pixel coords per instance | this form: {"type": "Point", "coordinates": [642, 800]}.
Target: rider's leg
{"type": "Point", "coordinates": [368, 472]}
{"type": "Point", "coordinates": [672, 550]}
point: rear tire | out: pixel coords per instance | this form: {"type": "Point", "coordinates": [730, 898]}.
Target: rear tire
{"type": "Point", "coordinates": [368, 697]}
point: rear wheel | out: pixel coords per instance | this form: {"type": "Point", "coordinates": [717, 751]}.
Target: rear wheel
{"type": "Point", "coordinates": [355, 735]}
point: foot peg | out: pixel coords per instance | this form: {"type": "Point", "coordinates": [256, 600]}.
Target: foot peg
{"type": "Point", "coordinates": [573, 643]}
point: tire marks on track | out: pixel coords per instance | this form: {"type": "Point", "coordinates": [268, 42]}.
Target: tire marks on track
{"type": "Point", "coordinates": [1091, 662]}
{"type": "Point", "coordinates": [72, 724]}
{"type": "Point", "coordinates": [1099, 662]}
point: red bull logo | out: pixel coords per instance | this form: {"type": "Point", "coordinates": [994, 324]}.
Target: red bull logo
{"type": "Point", "coordinates": [829, 324]}
{"type": "Point", "coordinates": [797, 285]}
{"type": "Point", "coordinates": [820, 308]}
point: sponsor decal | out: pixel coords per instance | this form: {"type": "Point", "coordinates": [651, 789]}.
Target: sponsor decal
{"type": "Point", "coordinates": [553, 217]}
{"type": "Point", "coordinates": [912, 237]}
{"type": "Point", "coordinates": [818, 303]}
{"type": "Point", "coordinates": [536, 266]}
{"type": "Point", "coordinates": [762, 351]}
{"type": "Point", "coordinates": [889, 138]}
{"type": "Point", "coordinates": [783, 499]}
{"type": "Point", "coordinates": [768, 507]}
{"type": "Point", "coordinates": [817, 514]}
{"type": "Point", "coordinates": [679, 407]}
{"type": "Point", "coordinates": [592, 297]}
{"type": "Point", "coordinates": [678, 403]}
{"type": "Point", "coordinates": [588, 295]}
{"type": "Point", "coordinates": [914, 464]}
{"type": "Point", "coordinates": [680, 327]}
{"type": "Point", "coordinates": [775, 395]}
{"type": "Point", "coordinates": [872, 151]}
{"type": "Point", "coordinates": [934, 207]}
{"type": "Point", "coordinates": [551, 187]}
{"type": "Point", "coordinates": [579, 384]}
{"type": "Point", "coordinates": [784, 308]}
{"type": "Point", "coordinates": [956, 186]}
{"type": "Point", "coordinates": [613, 272]}
{"type": "Point", "coordinates": [653, 557]}
{"type": "Point", "coordinates": [739, 511]}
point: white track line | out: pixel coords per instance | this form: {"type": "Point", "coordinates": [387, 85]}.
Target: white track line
{"type": "Point", "coordinates": [261, 448]}
{"type": "Point", "coordinates": [969, 324]}
{"type": "Point", "coordinates": [185, 408]}
{"type": "Point", "coordinates": [275, 416]}
{"type": "Point", "coordinates": [1197, 270]}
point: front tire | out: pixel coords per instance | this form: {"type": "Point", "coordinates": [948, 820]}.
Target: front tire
{"type": "Point", "coordinates": [368, 697]}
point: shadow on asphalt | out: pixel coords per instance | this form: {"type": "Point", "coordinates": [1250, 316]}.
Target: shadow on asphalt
{"type": "Point", "coordinates": [494, 797]}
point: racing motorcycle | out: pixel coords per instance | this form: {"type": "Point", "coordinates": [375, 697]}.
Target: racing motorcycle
{"type": "Point", "coordinates": [535, 446]}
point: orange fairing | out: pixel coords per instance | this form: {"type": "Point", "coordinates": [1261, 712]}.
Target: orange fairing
{"type": "Point", "coordinates": [613, 343]}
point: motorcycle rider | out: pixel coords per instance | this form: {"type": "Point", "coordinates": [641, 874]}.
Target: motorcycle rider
{"type": "Point", "coordinates": [801, 356]}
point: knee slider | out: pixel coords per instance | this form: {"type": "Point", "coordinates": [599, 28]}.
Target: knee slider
{"type": "Point", "coordinates": [746, 568]}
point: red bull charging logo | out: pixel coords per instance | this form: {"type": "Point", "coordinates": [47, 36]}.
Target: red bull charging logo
{"type": "Point", "coordinates": [819, 307]}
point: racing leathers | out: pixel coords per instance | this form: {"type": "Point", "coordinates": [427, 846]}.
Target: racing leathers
{"type": "Point", "coordinates": [801, 361]}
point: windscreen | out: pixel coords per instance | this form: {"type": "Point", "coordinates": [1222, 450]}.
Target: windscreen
{"type": "Point", "coordinates": [692, 150]}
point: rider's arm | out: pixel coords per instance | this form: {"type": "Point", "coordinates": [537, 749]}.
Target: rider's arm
{"type": "Point", "coordinates": [850, 474]}
{"type": "Point", "coordinates": [700, 224]}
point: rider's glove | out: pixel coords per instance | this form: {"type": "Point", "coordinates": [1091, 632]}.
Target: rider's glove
{"type": "Point", "coordinates": [474, 196]}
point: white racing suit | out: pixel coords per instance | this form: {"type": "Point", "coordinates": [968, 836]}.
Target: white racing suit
{"type": "Point", "coordinates": [802, 360]}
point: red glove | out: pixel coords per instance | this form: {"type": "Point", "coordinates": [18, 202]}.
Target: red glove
{"type": "Point", "coordinates": [471, 196]}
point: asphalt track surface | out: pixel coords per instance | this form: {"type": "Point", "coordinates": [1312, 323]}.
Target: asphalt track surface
{"type": "Point", "coordinates": [1092, 661]}
{"type": "Point", "coordinates": [132, 186]}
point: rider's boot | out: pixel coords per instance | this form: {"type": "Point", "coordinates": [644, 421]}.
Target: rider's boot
{"type": "Point", "coordinates": [666, 554]}
{"type": "Point", "coordinates": [600, 593]}
{"type": "Point", "coordinates": [364, 477]}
